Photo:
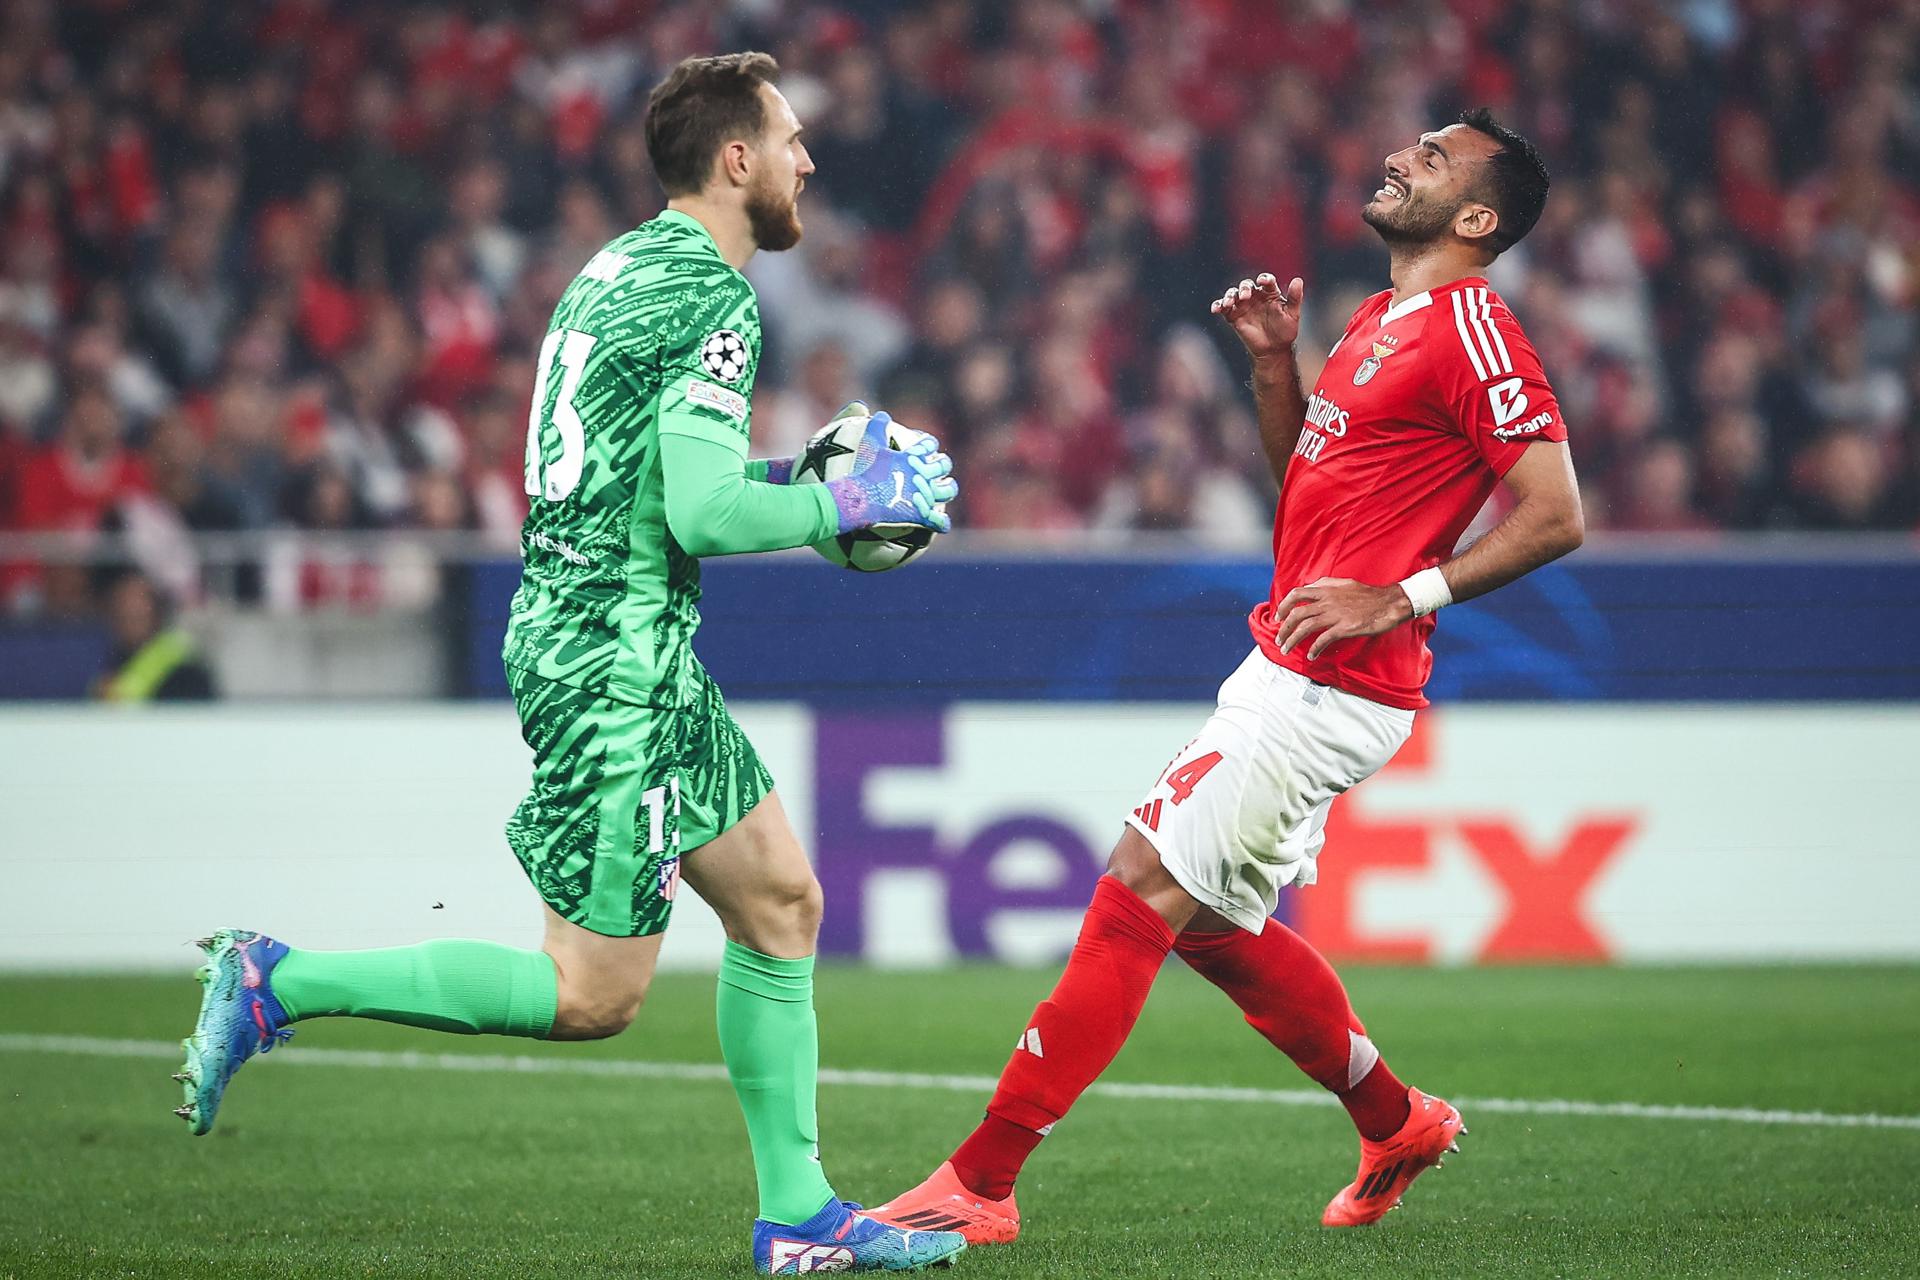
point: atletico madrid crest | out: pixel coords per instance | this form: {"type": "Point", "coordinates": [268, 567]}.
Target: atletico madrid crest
{"type": "Point", "coordinates": [1371, 365]}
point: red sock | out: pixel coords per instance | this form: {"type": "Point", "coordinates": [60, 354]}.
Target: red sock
{"type": "Point", "coordinates": [1292, 996]}
{"type": "Point", "coordinates": [1071, 1037]}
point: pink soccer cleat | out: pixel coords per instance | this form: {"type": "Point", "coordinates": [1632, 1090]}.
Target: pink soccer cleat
{"type": "Point", "coordinates": [1388, 1168]}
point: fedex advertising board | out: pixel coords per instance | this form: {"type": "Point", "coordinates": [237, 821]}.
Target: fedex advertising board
{"type": "Point", "coordinates": [1499, 834]}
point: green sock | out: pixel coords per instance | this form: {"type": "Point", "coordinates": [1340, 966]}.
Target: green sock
{"type": "Point", "coordinates": [771, 1042]}
{"type": "Point", "coordinates": [454, 984]}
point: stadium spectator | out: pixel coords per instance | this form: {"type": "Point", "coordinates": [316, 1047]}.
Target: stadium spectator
{"type": "Point", "coordinates": [87, 470]}
{"type": "Point", "coordinates": [28, 379]}
{"type": "Point", "coordinates": [152, 660]}
{"type": "Point", "coordinates": [186, 305]}
{"type": "Point", "coordinates": [493, 467]}
{"type": "Point", "coordinates": [197, 496]}
{"type": "Point", "coordinates": [477, 206]}
{"type": "Point", "coordinates": [1736, 486]}
{"type": "Point", "coordinates": [817, 289]}
{"type": "Point", "coordinates": [825, 382]}
{"type": "Point", "coordinates": [1657, 490]}
{"type": "Point", "coordinates": [1843, 481]}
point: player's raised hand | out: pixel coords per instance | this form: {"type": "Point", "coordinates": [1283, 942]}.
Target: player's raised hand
{"type": "Point", "coordinates": [1334, 609]}
{"type": "Point", "coordinates": [1266, 319]}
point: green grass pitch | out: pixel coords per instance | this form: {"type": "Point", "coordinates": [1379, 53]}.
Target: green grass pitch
{"type": "Point", "coordinates": [334, 1169]}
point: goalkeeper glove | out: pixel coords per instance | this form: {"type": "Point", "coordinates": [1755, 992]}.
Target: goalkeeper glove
{"type": "Point", "coordinates": [895, 486]}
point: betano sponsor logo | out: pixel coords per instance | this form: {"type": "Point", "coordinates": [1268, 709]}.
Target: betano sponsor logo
{"type": "Point", "coordinates": [1532, 426]}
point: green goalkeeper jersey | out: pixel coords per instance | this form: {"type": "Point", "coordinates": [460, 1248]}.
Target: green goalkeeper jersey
{"type": "Point", "coordinates": [656, 335]}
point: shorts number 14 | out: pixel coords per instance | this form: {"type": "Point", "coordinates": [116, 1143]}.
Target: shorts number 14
{"type": "Point", "coordinates": [1181, 779]}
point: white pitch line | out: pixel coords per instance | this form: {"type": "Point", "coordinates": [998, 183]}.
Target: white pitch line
{"type": "Point", "coordinates": [623, 1068]}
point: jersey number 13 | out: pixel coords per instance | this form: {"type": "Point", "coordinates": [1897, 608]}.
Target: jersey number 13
{"type": "Point", "coordinates": [555, 480]}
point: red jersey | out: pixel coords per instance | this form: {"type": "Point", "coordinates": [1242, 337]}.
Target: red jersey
{"type": "Point", "coordinates": [60, 490]}
{"type": "Point", "coordinates": [1420, 410]}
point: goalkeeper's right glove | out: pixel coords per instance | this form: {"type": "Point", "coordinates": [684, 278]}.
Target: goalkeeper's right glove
{"type": "Point", "coordinates": [894, 486]}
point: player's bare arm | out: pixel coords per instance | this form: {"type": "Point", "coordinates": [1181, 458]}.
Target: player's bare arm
{"type": "Point", "coordinates": [1544, 524]}
{"type": "Point", "coordinates": [1267, 323]}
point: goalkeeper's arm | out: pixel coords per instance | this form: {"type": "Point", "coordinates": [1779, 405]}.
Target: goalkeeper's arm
{"type": "Point", "coordinates": [717, 507]}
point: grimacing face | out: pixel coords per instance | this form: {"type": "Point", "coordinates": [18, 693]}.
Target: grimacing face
{"type": "Point", "coordinates": [1429, 185]}
{"type": "Point", "coordinates": [781, 166]}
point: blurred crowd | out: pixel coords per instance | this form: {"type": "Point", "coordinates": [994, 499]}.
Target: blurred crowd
{"type": "Point", "coordinates": [284, 265]}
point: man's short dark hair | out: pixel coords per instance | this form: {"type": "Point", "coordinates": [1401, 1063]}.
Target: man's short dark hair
{"type": "Point", "coordinates": [1516, 182]}
{"type": "Point", "coordinates": [703, 104]}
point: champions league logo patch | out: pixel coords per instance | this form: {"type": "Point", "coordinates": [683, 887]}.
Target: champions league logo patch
{"type": "Point", "coordinates": [1371, 365]}
{"type": "Point", "coordinates": [724, 355]}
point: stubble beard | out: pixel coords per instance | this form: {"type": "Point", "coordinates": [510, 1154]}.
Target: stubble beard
{"type": "Point", "coordinates": [774, 219]}
{"type": "Point", "coordinates": [1409, 222]}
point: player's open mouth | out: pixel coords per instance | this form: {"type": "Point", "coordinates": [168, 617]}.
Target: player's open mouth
{"type": "Point", "coordinates": [1392, 189]}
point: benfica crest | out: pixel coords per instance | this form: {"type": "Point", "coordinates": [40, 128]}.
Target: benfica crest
{"type": "Point", "coordinates": [1371, 365]}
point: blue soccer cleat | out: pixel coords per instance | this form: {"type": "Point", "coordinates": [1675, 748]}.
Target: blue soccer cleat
{"type": "Point", "coordinates": [239, 1017]}
{"type": "Point", "coordinates": [839, 1239]}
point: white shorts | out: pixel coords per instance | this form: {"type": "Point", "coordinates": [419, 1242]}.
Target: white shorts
{"type": "Point", "coordinates": [1242, 810]}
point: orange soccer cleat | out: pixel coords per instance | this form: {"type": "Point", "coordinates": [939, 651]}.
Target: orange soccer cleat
{"type": "Point", "coordinates": [943, 1203]}
{"type": "Point", "coordinates": [1388, 1168]}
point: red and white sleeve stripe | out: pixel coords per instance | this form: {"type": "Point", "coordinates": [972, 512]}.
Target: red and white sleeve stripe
{"type": "Point", "coordinates": [1473, 317]}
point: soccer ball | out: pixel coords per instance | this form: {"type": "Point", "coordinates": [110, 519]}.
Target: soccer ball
{"type": "Point", "coordinates": [829, 455]}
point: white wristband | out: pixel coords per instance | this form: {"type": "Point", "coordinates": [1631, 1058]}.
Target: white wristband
{"type": "Point", "coordinates": [1427, 591]}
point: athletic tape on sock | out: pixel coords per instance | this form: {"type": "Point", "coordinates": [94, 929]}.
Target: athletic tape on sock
{"type": "Point", "coordinates": [1362, 1057]}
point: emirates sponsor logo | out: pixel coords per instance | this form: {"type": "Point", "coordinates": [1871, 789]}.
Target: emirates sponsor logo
{"type": "Point", "coordinates": [1326, 415]}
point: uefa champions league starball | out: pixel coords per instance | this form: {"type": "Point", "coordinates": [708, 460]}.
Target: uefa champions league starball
{"type": "Point", "coordinates": [829, 455]}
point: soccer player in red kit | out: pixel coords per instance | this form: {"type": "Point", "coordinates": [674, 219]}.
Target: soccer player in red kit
{"type": "Point", "coordinates": [1431, 398]}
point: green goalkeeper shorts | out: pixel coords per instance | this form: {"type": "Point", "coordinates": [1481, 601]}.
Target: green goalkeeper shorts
{"type": "Point", "coordinates": [620, 791]}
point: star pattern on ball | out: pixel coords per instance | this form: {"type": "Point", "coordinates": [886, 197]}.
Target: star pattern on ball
{"type": "Point", "coordinates": [724, 355]}
{"type": "Point", "coordinates": [818, 454]}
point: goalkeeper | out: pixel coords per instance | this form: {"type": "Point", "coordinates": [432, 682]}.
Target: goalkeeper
{"type": "Point", "coordinates": [636, 465]}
